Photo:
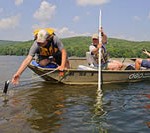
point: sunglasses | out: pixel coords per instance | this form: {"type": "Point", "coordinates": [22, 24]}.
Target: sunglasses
{"type": "Point", "coordinates": [95, 39]}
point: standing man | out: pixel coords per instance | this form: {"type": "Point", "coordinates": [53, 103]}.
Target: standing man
{"type": "Point", "coordinates": [45, 45]}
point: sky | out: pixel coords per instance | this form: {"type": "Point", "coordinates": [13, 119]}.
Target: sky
{"type": "Point", "coordinates": [122, 19]}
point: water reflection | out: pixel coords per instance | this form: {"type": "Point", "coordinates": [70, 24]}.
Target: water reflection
{"type": "Point", "coordinates": [13, 114]}
{"type": "Point", "coordinates": [47, 107]}
{"type": "Point", "coordinates": [99, 105]}
{"type": "Point", "coordinates": [42, 107]}
{"type": "Point", "coordinates": [54, 106]}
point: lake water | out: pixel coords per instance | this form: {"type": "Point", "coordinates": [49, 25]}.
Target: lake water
{"type": "Point", "coordinates": [39, 107]}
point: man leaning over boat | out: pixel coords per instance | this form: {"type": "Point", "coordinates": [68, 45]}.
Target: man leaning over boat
{"type": "Point", "coordinates": [46, 44]}
{"type": "Point", "coordinates": [92, 55]}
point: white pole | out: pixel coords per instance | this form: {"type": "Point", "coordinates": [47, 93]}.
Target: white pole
{"type": "Point", "coordinates": [99, 59]}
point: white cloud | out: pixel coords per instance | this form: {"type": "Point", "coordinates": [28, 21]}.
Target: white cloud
{"type": "Point", "coordinates": [76, 19]}
{"type": "Point", "coordinates": [149, 15]}
{"type": "Point", "coordinates": [10, 22]}
{"type": "Point", "coordinates": [65, 32]}
{"type": "Point", "coordinates": [1, 10]}
{"type": "Point", "coordinates": [45, 13]}
{"type": "Point", "coordinates": [88, 13]}
{"type": "Point", "coordinates": [18, 2]}
{"type": "Point", "coordinates": [137, 18]}
{"type": "Point", "coordinates": [91, 2]}
{"type": "Point", "coordinates": [123, 36]}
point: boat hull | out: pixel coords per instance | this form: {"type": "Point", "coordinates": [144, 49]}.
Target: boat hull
{"type": "Point", "coordinates": [74, 76]}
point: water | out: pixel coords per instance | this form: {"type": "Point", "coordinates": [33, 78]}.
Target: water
{"type": "Point", "coordinates": [39, 107]}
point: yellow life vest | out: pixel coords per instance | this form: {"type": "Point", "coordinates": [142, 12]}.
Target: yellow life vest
{"type": "Point", "coordinates": [48, 51]}
{"type": "Point", "coordinates": [51, 50]}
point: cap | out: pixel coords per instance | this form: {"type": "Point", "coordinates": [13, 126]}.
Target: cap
{"type": "Point", "coordinates": [42, 36]}
{"type": "Point", "coordinates": [95, 36]}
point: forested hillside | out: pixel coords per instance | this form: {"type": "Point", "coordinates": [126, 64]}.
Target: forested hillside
{"type": "Point", "coordinates": [77, 46]}
{"type": "Point", "coordinates": [2, 42]}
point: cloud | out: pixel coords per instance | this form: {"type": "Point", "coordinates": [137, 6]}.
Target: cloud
{"type": "Point", "coordinates": [88, 13]}
{"type": "Point", "coordinates": [18, 2]}
{"type": "Point", "coordinates": [76, 19]}
{"type": "Point", "coordinates": [10, 22]}
{"type": "Point", "coordinates": [149, 15]}
{"type": "Point", "coordinates": [63, 32]}
{"type": "Point", "coordinates": [45, 12]}
{"type": "Point", "coordinates": [1, 10]}
{"type": "Point", "coordinates": [137, 18]}
{"type": "Point", "coordinates": [92, 2]}
{"type": "Point", "coordinates": [123, 36]}
{"type": "Point", "coordinates": [66, 32]}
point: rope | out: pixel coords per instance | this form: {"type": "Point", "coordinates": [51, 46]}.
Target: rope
{"type": "Point", "coordinates": [39, 76]}
{"type": "Point", "coordinates": [34, 77]}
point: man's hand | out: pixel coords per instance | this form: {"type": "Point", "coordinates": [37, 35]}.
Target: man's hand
{"type": "Point", "coordinates": [15, 79]}
{"type": "Point", "coordinates": [99, 45]}
{"type": "Point", "coordinates": [61, 68]}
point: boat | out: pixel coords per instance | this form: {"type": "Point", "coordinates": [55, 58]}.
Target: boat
{"type": "Point", "coordinates": [81, 73]}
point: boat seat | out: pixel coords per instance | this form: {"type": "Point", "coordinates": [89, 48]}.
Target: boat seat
{"type": "Point", "coordinates": [82, 67]}
{"type": "Point", "coordinates": [90, 60]}
{"type": "Point", "coordinates": [130, 67]}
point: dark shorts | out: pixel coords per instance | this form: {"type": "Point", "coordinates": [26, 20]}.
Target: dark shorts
{"type": "Point", "coordinates": [145, 63]}
{"type": "Point", "coordinates": [104, 66]}
{"type": "Point", "coordinates": [56, 57]}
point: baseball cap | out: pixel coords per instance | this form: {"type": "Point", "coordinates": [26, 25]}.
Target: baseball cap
{"type": "Point", "coordinates": [42, 36]}
{"type": "Point", "coordinates": [95, 36]}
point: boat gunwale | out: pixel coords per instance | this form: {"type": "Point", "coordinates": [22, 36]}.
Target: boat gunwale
{"type": "Point", "coordinates": [79, 70]}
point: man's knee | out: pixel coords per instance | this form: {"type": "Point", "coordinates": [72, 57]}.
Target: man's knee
{"type": "Point", "coordinates": [120, 65]}
{"type": "Point", "coordinates": [139, 61]}
{"type": "Point", "coordinates": [44, 62]}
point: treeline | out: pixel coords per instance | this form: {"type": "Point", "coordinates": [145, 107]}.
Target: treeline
{"type": "Point", "coordinates": [78, 46]}
{"type": "Point", "coordinates": [118, 48]}
{"type": "Point", "coordinates": [15, 48]}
